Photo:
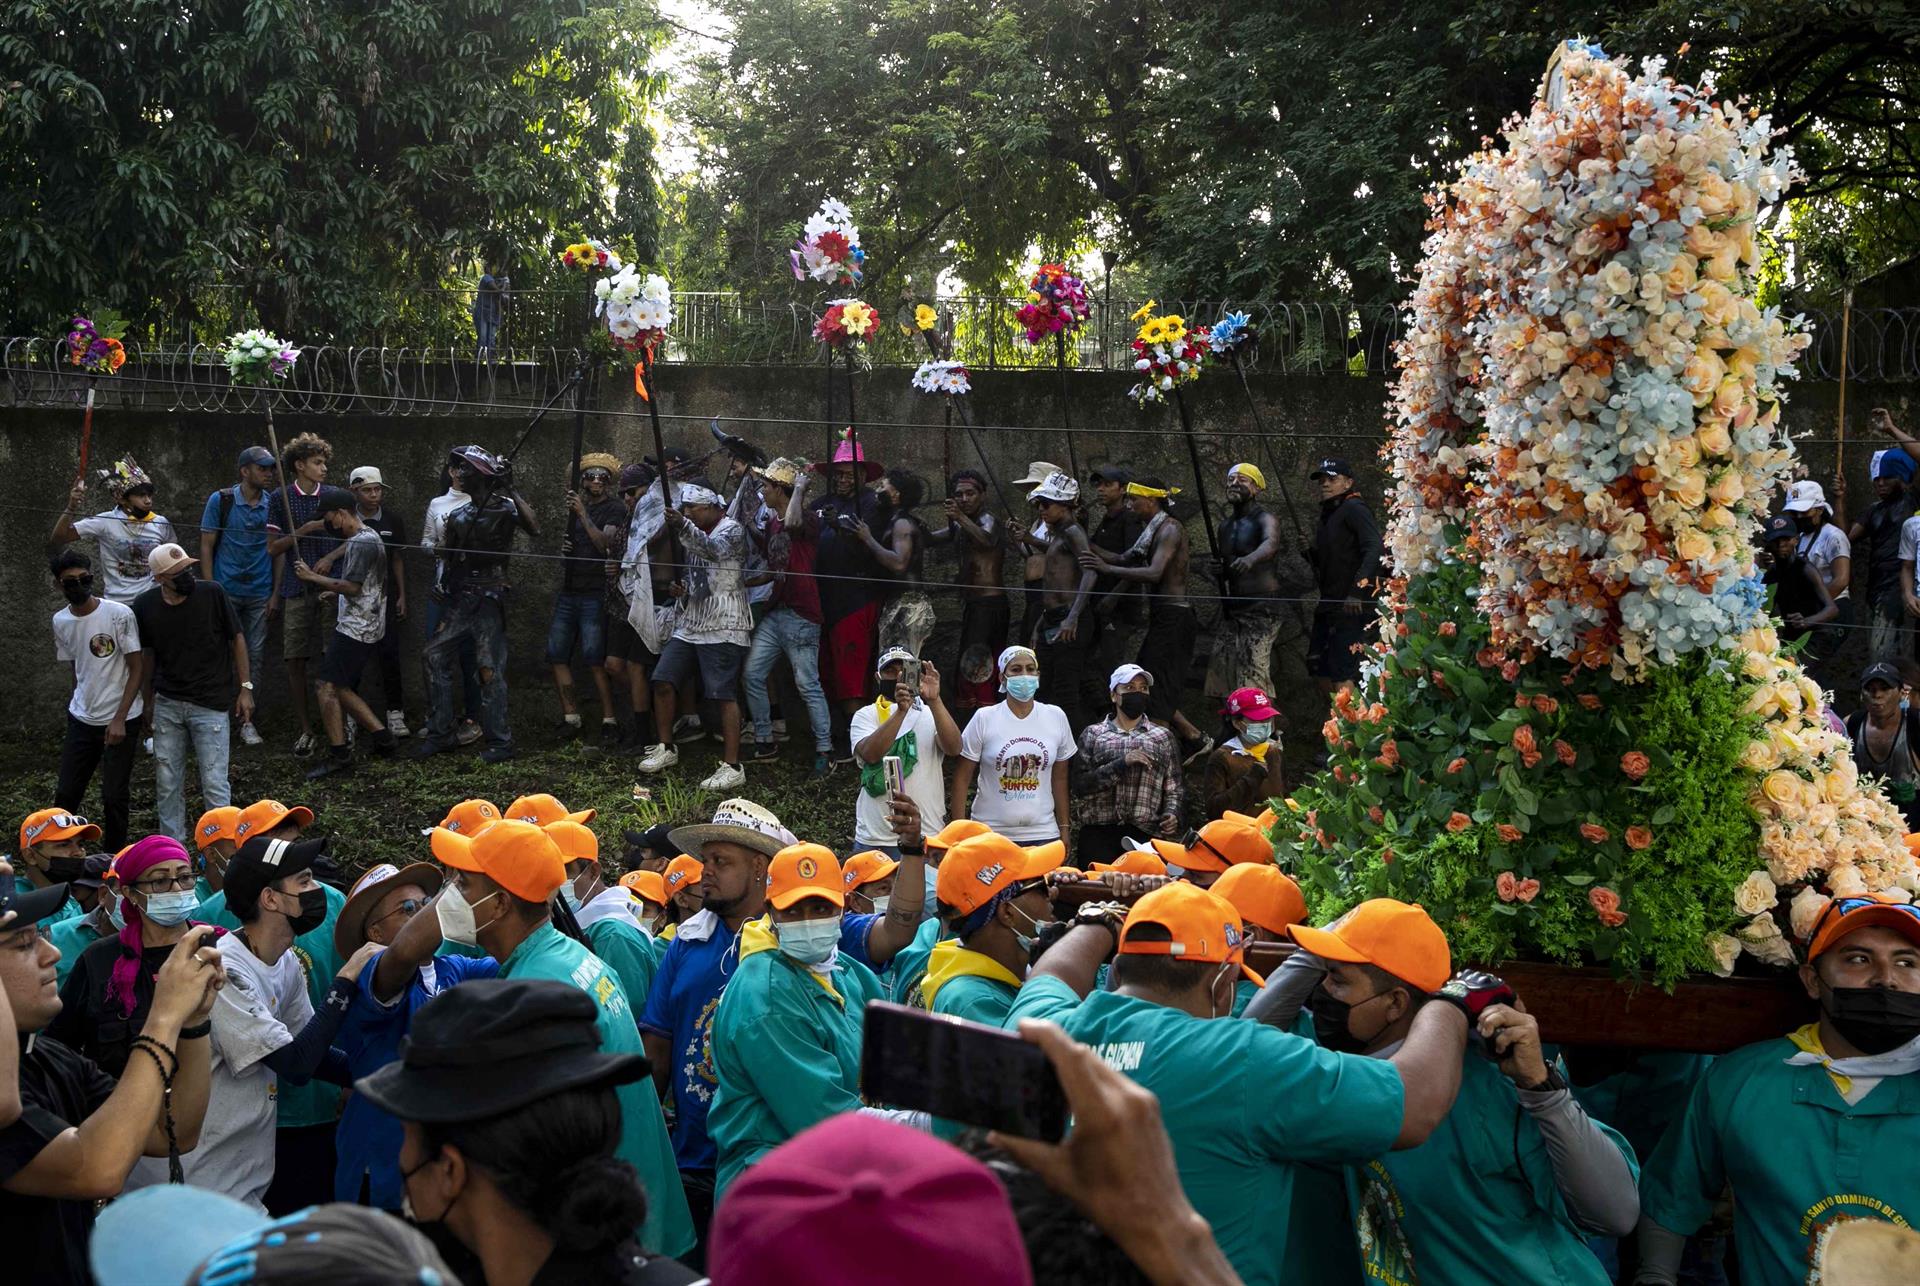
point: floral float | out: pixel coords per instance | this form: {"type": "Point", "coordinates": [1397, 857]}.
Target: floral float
{"type": "Point", "coordinates": [828, 250]}
{"type": "Point", "coordinates": [256, 357]}
{"type": "Point", "coordinates": [1579, 737]}
{"type": "Point", "coordinates": [1165, 353]}
{"type": "Point", "coordinates": [1056, 304]}
{"type": "Point", "coordinates": [637, 309]}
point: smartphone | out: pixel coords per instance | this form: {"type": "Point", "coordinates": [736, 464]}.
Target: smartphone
{"type": "Point", "coordinates": [961, 1071]}
{"type": "Point", "coordinates": [910, 675]}
{"type": "Point", "coordinates": [6, 886]}
{"type": "Point", "coordinates": [896, 778]}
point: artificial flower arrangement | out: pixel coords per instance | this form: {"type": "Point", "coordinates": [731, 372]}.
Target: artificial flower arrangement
{"type": "Point", "coordinates": [943, 377]}
{"type": "Point", "coordinates": [590, 255]}
{"type": "Point", "coordinates": [637, 309]}
{"type": "Point", "coordinates": [256, 357]}
{"type": "Point", "coordinates": [1056, 304]}
{"type": "Point", "coordinates": [846, 325]}
{"type": "Point", "coordinates": [829, 247]}
{"type": "Point", "coordinates": [1578, 736]}
{"type": "Point", "coordinates": [1229, 336]}
{"type": "Point", "coordinates": [1165, 353]}
{"type": "Point", "coordinates": [924, 317]}
{"type": "Point", "coordinates": [95, 347]}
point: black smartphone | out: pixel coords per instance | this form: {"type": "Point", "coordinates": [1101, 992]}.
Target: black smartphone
{"type": "Point", "coordinates": [962, 1071]}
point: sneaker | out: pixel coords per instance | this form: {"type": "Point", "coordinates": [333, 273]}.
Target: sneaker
{"type": "Point", "coordinates": [822, 765]}
{"type": "Point", "coordinates": [147, 745]}
{"type": "Point", "coordinates": [383, 743]}
{"type": "Point", "coordinates": [397, 724]}
{"type": "Point", "coordinates": [339, 759]}
{"type": "Point", "coordinates": [570, 724]}
{"type": "Point", "coordinates": [726, 777]}
{"type": "Point", "coordinates": [765, 752]}
{"type": "Point", "coordinates": [496, 754]}
{"type": "Point", "coordinates": [353, 734]}
{"type": "Point", "coordinates": [426, 748]}
{"type": "Point", "coordinates": [250, 735]}
{"type": "Point", "coordinates": [306, 745]}
{"type": "Point", "coordinates": [659, 758]}
{"type": "Point", "coordinates": [688, 728]}
{"type": "Point", "coordinates": [1200, 750]}
{"type": "Point", "coordinates": [609, 733]}
{"type": "Point", "coordinates": [842, 755]}
{"type": "Point", "coordinates": [468, 733]}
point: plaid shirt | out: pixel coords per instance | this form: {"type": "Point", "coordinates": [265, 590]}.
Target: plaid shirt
{"type": "Point", "coordinates": [1108, 791]}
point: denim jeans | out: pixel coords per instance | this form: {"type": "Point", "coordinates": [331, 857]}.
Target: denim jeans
{"type": "Point", "coordinates": [481, 621]}
{"type": "Point", "coordinates": [786, 632]}
{"type": "Point", "coordinates": [175, 725]}
{"type": "Point", "coordinates": [580, 618]}
{"type": "Point", "coordinates": [253, 627]}
{"type": "Point", "coordinates": [469, 667]}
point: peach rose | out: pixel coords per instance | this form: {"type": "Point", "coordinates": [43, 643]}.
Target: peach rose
{"type": "Point", "coordinates": [1606, 905]}
{"type": "Point", "coordinates": [1527, 890]}
{"type": "Point", "coordinates": [1756, 893]}
{"type": "Point", "coordinates": [1564, 753]}
{"type": "Point", "coordinates": [1508, 834]}
{"type": "Point", "coordinates": [1714, 437]}
{"type": "Point", "coordinates": [1760, 757]}
{"type": "Point", "coordinates": [1635, 765]}
{"type": "Point", "coordinates": [1726, 949]}
{"type": "Point", "coordinates": [1589, 701]}
{"type": "Point", "coordinates": [1523, 739]}
{"type": "Point", "coordinates": [1505, 886]}
{"type": "Point", "coordinates": [1546, 705]}
{"type": "Point", "coordinates": [1694, 546]}
{"type": "Point", "coordinates": [1783, 788]}
{"type": "Point", "coordinates": [1727, 489]}
{"type": "Point", "coordinates": [1593, 833]}
{"type": "Point", "coordinates": [1458, 822]}
{"type": "Point", "coordinates": [1681, 274]}
{"type": "Point", "coordinates": [1638, 838]}
{"type": "Point", "coordinates": [1448, 629]}
{"type": "Point", "coordinates": [1456, 765]}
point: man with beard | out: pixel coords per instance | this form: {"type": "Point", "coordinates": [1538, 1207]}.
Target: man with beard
{"type": "Point", "coordinates": [1250, 619]}
{"type": "Point", "coordinates": [478, 538]}
{"type": "Point", "coordinates": [980, 548]}
{"type": "Point", "coordinates": [595, 517]}
{"type": "Point", "coordinates": [851, 587]}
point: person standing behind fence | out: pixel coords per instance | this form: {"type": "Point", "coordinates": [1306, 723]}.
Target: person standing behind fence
{"type": "Point", "coordinates": [308, 614]}
{"type": "Point", "coordinates": [1878, 537]}
{"type": "Point", "coordinates": [791, 627]}
{"type": "Point", "coordinates": [370, 490]}
{"type": "Point", "coordinates": [595, 518]}
{"type": "Point", "coordinates": [233, 555]}
{"type": "Point", "coordinates": [489, 308]}
{"type": "Point", "coordinates": [126, 533]}
{"type": "Point", "coordinates": [980, 548]}
{"type": "Point", "coordinates": [433, 534]}
{"type": "Point", "coordinates": [101, 641]}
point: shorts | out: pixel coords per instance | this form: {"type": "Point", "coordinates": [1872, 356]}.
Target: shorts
{"type": "Point", "coordinates": [306, 624]}
{"type": "Point", "coordinates": [719, 666]}
{"type": "Point", "coordinates": [624, 644]}
{"type": "Point", "coordinates": [345, 660]}
{"type": "Point", "coordinates": [582, 619]}
{"type": "Point", "coordinates": [1330, 650]}
{"type": "Point", "coordinates": [847, 654]}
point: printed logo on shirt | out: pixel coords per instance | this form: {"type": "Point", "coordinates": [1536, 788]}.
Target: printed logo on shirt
{"type": "Point", "coordinates": [1123, 1056]}
{"type": "Point", "coordinates": [1022, 760]}
{"type": "Point", "coordinates": [102, 646]}
{"type": "Point", "coordinates": [1828, 1213]}
{"type": "Point", "coordinates": [697, 1076]}
{"type": "Point", "coordinates": [1383, 1241]}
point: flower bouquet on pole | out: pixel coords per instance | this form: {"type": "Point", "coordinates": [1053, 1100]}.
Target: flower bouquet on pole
{"type": "Point", "coordinates": [96, 349]}
{"type": "Point", "coordinates": [258, 359]}
{"type": "Point", "coordinates": [828, 250]}
{"type": "Point", "coordinates": [1168, 355]}
{"type": "Point", "coordinates": [1579, 737]}
{"type": "Point", "coordinates": [1057, 307]}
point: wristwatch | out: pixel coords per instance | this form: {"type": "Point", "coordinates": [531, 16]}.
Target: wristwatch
{"type": "Point", "coordinates": [1553, 1081]}
{"type": "Point", "coordinates": [247, 684]}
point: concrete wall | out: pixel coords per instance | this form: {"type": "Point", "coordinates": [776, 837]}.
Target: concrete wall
{"type": "Point", "coordinates": [190, 454]}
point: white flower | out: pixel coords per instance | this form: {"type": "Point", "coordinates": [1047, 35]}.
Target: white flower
{"type": "Point", "coordinates": [1805, 911]}
{"type": "Point", "coordinates": [1725, 949]}
{"type": "Point", "coordinates": [1762, 939]}
{"type": "Point", "coordinates": [1755, 895]}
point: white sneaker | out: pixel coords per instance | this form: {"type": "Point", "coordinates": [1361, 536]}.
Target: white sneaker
{"type": "Point", "coordinates": [725, 777]}
{"type": "Point", "coordinates": [688, 728]}
{"type": "Point", "coordinates": [659, 758]}
{"type": "Point", "coordinates": [305, 745]}
{"type": "Point", "coordinates": [250, 735]}
{"type": "Point", "coordinates": [147, 745]}
{"type": "Point", "coordinates": [397, 724]}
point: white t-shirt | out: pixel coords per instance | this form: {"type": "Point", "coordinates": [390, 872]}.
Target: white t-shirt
{"type": "Point", "coordinates": [926, 784]}
{"type": "Point", "coordinates": [260, 1010]}
{"type": "Point", "coordinates": [101, 645]}
{"type": "Point", "coordinates": [1910, 548]}
{"type": "Point", "coordinates": [124, 545]}
{"type": "Point", "coordinates": [1825, 545]}
{"type": "Point", "coordinates": [1013, 791]}
{"type": "Point", "coordinates": [434, 530]}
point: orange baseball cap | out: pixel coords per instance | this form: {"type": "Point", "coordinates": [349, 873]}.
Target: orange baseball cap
{"type": "Point", "coordinates": [974, 870]}
{"type": "Point", "coordinates": [1133, 862]}
{"type": "Point", "coordinates": [1395, 936]}
{"type": "Point", "coordinates": [51, 825]}
{"type": "Point", "coordinates": [1843, 915]}
{"type": "Point", "coordinates": [1263, 895]}
{"type": "Point", "coordinates": [867, 868]}
{"type": "Point", "coordinates": [468, 817]}
{"type": "Point", "coordinates": [544, 810]}
{"type": "Point", "coordinates": [518, 856]}
{"type": "Point", "coordinates": [216, 824]}
{"type": "Point", "coordinates": [577, 843]}
{"type": "Point", "coordinates": [804, 871]}
{"type": "Point", "coordinates": [263, 815]}
{"type": "Point", "coordinates": [648, 886]}
{"type": "Point", "coordinates": [1228, 840]}
{"type": "Point", "coordinates": [955, 831]}
{"type": "Point", "coordinates": [1204, 926]}
{"type": "Point", "coordinates": [682, 871]}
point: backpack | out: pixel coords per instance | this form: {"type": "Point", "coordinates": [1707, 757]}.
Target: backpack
{"type": "Point", "coordinates": [229, 496]}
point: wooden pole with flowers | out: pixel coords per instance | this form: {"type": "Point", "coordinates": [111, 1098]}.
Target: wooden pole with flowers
{"type": "Point", "coordinates": [256, 359]}
{"type": "Point", "coordinates": [941, 374]}
{"type": "Point", "coordinates": [1057, 306]}
{"type": "Point", "coordinates": [637, 311]}
{"type": "Point", "coordinates": [828, 251]}
{"type": "Point", "coordinates": [1229, 338]}
{"type": "Point", "coordinates": [1168, 355]}
{"type": "Point", "coordinates": [96, 349]}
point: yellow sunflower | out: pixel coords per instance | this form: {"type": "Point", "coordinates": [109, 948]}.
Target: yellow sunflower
{"type": "Point", "coordinates": [1154, 332]}
{"type": "Point", "coordinates": [1175, 328]}
{"type": "Point", "coordinates": [1145, 310]}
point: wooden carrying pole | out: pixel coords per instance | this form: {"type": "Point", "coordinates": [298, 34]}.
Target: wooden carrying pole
{"type": "Point", "coordinates": [1840, 426]}
{"type": "Point", "coordinates": [659, 453]}
{"type": "Point", "coordinates": [1199, 477]}
{"type": "Point", "coordinates": [1060, 366]}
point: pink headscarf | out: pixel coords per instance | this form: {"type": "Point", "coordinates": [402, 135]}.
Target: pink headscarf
{"type": "Point", "coordinates": [134, 861]}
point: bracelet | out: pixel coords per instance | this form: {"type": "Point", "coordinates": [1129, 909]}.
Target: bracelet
{"type": "Point", "coordinates": [197, 1031]}
{"type": "Point", "coordinates": [152, 1049]}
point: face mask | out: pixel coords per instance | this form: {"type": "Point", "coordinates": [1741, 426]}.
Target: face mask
{"type": "Point", "coordinates": [881, 903]}
{"type": "Point", "coordinates": [1256, 733]}
{"type": "Point", "coordinates": [1025, 940]}
{"type": "Point", "coordinates": [174, 907]}
{"type": "Point", "coordinates": [313, 911]}
{"type": "Point", "coordinates": [1330, 1022]}
{"type": "Point", "coordinates": [1133, 704]}
{"type": "Point", "coordinates": [571, 898]}
{"type": "Point", "coordinates": [77, 591]}
{"type": "Point", "coordinates": [455, 914]}
{"type": "Point", "coordinates": [1874, 1020]}
{"type": "Point", "coordinates": [809, 942]}
{"type": "Point", "coordinates": [182, 581]}
{"type": "Point", "coordinates": [1022, 687]}
{"type": "Point", "coordinates": [118, 921]}
{"type": "Point", "coordinates": [64, 870]}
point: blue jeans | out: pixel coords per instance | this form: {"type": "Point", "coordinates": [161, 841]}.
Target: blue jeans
{"type": "Point", "coordinates": [481, 621]}
{"type": "Point", "coordinates": [175, 724]}
{"type": "Point", "coordinates": [580, 618]}
{"type": "Point", "coordinates": [469, 666]}
{"type": "Point", "coordinates": [785, 632]}
{"type": "Point", "coordinates": [253, 627]}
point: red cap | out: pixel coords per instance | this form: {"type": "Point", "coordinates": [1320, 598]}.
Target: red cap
{"type": "Point", "coordinates": [1249, 703]}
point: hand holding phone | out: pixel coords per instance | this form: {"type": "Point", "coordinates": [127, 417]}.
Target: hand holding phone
{"type": "Point", "coordinates": [965, 1072]}
{"type": "Point", "coordinates": [895, 773]}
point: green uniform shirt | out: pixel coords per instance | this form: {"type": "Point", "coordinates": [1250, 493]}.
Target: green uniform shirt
{"type": "Point", "coordinates": [1245, 1105]}
{"type": "Point", "coordinates": [550, 955]}
{"type": "Point", "coordinates": [1799, 1158]}
{"type": "Point", "coordinates": [910, 966]}
{"type": "Point", "coordinates": [1476, 1202]}
{"type": "Point", "coordinates": [978, 1000]}
{"type": "Point", "coordinates": [69, 910]}
{"type": "Point", "coordinates": [786, 1052]}
{"type": "Point", "coordinates": [72, 936]}
{"type": "Point", "coordinates": [629, 953]}
{"type": "Point", "coordinates": [316, 1102]}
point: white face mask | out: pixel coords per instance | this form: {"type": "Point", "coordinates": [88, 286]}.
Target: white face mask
{"type": "Point", "coordinates": [171, 908]}
{"type": "Point", "coordinates": [1255, 733]}
{"type": "Point", "coordinates": [809, 942]}
{"type": "Point", "coordinates": [455, 914]}
{"type": "Point", "coordinates": [881, 903]}
{"type": "Point", "coordinates": [1226, 971]}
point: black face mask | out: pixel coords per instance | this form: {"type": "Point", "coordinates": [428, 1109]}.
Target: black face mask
{"type": "Point", "coordinates": [182, 581]}
{"type": "Point", "coordinates": [313, 911]}
{"type": "Point", "coordinates": [64, 870]}
{"type": "Point", "coordinates": [78, 590]}
{"type": "Point", "coordinates": [1133, 704]}
{"type": "Point", "coordinates": [1330, 1018]}
{"type": "Point", "coordinates": [1874, 1019]}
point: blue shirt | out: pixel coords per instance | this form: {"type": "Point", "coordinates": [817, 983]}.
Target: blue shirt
{"type": "Point", "coordinates": [680, 1008]}
{"type": "Point", "coordinates": [368, 1139]}
{"type": "Point", "coordinates": [240, 561]}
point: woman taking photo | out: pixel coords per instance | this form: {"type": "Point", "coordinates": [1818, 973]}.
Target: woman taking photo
{"type": "Point", "coordinates": [1018, 751]}
{"type": "Point", "coordinates": [1248, 769]}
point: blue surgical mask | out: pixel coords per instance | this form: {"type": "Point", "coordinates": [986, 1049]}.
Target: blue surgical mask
{"type": "Point", "coordinates": [1026, 940]}
{"type": "Point", "coordinates": [1255, 733]}
{"type": "Point", "coordinates": [571, 898]}
{"type": "Point", "coordinates": [114, 916]}
{"type": "Point", "coordinates": [171, 908]}
{"type": "Point", "coordinates": [1023, 687]}
{"type": "Point", "coordinates": [809, 942]}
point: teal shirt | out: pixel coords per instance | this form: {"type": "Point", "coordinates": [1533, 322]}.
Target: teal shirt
{"type": "Point", "coordinates": [629, 953]}
{"type": "Point", "coordinates": [316, 1102]}
{"type": "Point", "coordinates": [1247, 1107]}
{"type": "Point", "coordinates": [548, 954]}
{"type": "Point", "coordinates": [978, 1000]}
{"type": "Point", "coordinates": [69, 910]}
{"type": "Point", "coordinates": [910, 966]}
{"type": "Point", "coordinates": [72, 935]}
{"type": "Point", "coordinates": [786, 1053]}
{"type": "Point", "coordinates": [1476, 1202]}
{"type": "Point", "coordinates": [1243, 994]}
{"type": "Point", "coordinates": [1798, 1156]}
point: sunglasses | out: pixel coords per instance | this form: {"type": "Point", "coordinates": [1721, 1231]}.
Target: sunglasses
{"type": "Point", "coordinates": [86, 579]}
{"type": "Point", "coordinates": [408, 907]}
{"type": "Point", "coordinates": [1847, 906]}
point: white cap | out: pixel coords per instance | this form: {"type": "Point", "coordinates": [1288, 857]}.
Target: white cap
{"type": "Point", "coordinates": [891, 655]}
{"type": "Point", "coordinates": [1802, 496]}
{"type": "Point", "coordinates": [1058, 487]}
{"type": "Point", "coordinates": [1126, 674]}
{"type": "Point", "coordinates": [165, 560]}
{"type": "Point", "coordinates": [366, 476]}
{"type": "Point", "coordinates": [694, 494]}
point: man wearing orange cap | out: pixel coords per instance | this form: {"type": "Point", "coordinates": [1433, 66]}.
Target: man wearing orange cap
{"type": "Point", "coordinates": [993, 897]}
{"type": "Point", "coordinates": [648, 890]}
{"type": "Point", "coordinates": [53, 850]}
{"type": "Point", "coordinates": [1222, 843]}
{"type": "Point", "coordinates": [681, 882]}
{"type": "Point", "coordinates": [215, 840]}
{"type": "Point", "coordinates": [1811, 1130]}
{"type": "Point", "coordinates": [869, 877]}
{"type": "Point", "coordinates": [1510, 1186]}
{"type": "Point", "coordinates": [910, 966]}
{"type": "Point", "coordinates": [544, 810]}
{"type": "Point", "coordinates": [1240, 1154]}
{"type": "Point", "coordinates": [498, 888]}
{"type": "Point", "coordinates": [786, 1039]}
{"type": "Point", "coordinates": [1269, 903]}
{"type": "Point", "coordinates": [604, 911]}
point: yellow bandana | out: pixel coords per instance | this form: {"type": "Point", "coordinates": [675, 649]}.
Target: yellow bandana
{"type": "Point", "coordinates": [1159, 493]}
{"type": "Point", "coordinates": [1808, 1039]}
{"type": "Point", "coordinates": [1259, 752]}
{"type": "Point", "coordinates": [883, 708]}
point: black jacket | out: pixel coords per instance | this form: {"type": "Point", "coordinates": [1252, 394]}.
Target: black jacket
{"type": "Point", "coordinates": [1346, 549]}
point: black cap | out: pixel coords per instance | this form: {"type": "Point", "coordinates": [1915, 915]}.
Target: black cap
{"type": "Point", "coordinates": [493, 1045]}
{"type": "Point", "coordinates": [657, 838]}
{"type": "Point", "coordinates": [97, 865]}
{"type": "Point", "coordinates": [263, 860]}
{"type": "Point", "coordinates": [1881, 672]}
{"type": "Point", "coordinates": [332, 498]}
{"type": "Point", "coordinates": [1780, 527]}
{"type": "Point", "coordinates": [1331, 467]}
{"type": "Point", "coordinates": [31, 905]}
{"type": "Point", "coordinates": [1112, 473]}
